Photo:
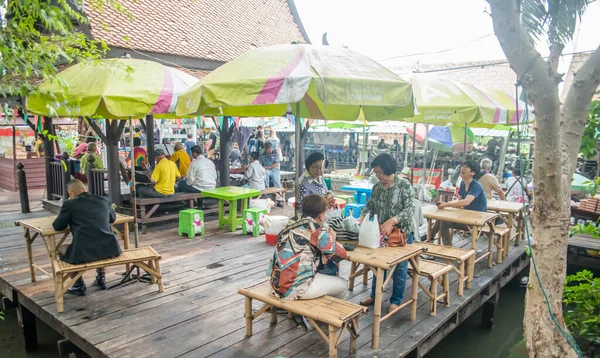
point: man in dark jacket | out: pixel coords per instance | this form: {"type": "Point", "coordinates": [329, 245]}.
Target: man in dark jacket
{"type": "Point", "coordinates": [89, 217]}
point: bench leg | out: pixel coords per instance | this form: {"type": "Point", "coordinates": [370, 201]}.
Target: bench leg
{"type": "Point", "coordinates": [332, 341]}
{"type": "Point", "coordinates": [470, 271]}
{"type": "Point", "coordinates": [151, 265]}
{"type": "Point", "coordinates": [446, 285]}
{"type": "Point", "coordinates": [433, 300]}
{"type": "Point", "coordinates": [461, 278]}
{"type": "Point", "coordinates": [58, 288]}
{"type": "Point", "coordinates": [273, 315]}
{"type": "Point", "coordinates": [353, 335]}
{"type": "Point", "coordinates": [143, 215]}
{"type": "Point", "coordinates": [248, 315]}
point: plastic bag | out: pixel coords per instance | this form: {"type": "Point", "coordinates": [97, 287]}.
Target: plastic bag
{"type": "Point", "coordinates": [266, 204]}
{"type": "Point", "coordinates": [332, 213]}
{"type": "Point", "coordinates": [368, 235]}
{"type": "Point", "coordinates": [351, 224]}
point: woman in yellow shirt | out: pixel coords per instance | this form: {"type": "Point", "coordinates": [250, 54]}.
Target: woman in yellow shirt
{"type": "Point", "coordinates": [181, 158]}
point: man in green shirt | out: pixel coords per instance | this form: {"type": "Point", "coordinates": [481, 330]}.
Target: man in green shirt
{"type": "Point", "coordinates": [91, 151]}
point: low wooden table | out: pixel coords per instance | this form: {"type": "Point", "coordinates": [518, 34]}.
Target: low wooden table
{"type": "Point", "coordinates": [474, 220]}
{"type": "Point", "coordinates": [231, 194]}
{"type": "Point", "coordinates": [379, 260]}
{"type": "Point", "coordinates": [42, 227]}
{"type": "Point", "coordinates": [513, 211]}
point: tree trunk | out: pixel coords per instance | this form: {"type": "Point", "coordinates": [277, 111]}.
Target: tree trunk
{"type": "Point", "coordinates": [558, 134]}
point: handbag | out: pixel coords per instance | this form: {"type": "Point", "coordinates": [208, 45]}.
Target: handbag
{"type": "Point", "coordinates": [397, 238]}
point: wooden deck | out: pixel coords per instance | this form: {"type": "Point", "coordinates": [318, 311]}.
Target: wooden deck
{"type": "Point", "coordinates": [583, 251]}
{"type": "Point", "coordinates": [200, 313]}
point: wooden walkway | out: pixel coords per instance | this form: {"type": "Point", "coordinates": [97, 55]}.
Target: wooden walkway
{"type": "Point", "coordinates": [200, 313]}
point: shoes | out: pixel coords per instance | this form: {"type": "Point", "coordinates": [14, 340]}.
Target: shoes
{"type": "Point", "coordinates": [100, 280]}
{"type": "Point", "coordinates": [279, 204]}
{"type": "Point", "coordinates": [78, 288]}
{"type": "Point", "coordinates": [367, 301]}
{"type": "Point", "coordinates": [392, 307]}
{"type": "Point", "coordinates": [303, 322]}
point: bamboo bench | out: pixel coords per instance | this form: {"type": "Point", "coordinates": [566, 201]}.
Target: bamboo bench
{"type": "Point", "coordinates": [435, 272]}
{"type": "Point", "coordinates": [336, 313]}
{"type": "Point", "coordinates": [146, 214]}
{"type": "Point", "coordinates": [279, 193]}
{"type": "Point", "coordinates": [144, 257]}
{"type": "Point", "coordinates": [464, 259]}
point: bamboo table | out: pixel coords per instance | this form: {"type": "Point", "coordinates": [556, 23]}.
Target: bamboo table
{"type": "Point", "coordinates": [231, 194]}
{"type": "Point", "coordinates": [474, 220]}
{"type": "Point", "coordinates": [379, 260]}
{"type": "Point", "coordinates": [510, 209]}
{"type": "Point", "coordinates": [42, 227]}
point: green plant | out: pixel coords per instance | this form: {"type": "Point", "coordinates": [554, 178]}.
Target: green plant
{"type": "Point", "coordinates": [587, 229]}
{"type": "Point", "coordinates": [582, 299]}
{"type": "Point", "coordinates": [591, 134]}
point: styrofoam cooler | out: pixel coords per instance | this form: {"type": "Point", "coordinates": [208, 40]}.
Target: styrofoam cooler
{"type": "Point", "coordinates": [274, 224]}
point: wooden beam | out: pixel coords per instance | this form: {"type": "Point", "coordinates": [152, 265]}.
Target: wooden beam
{"type": "Point", "coordinates": [97, 130]}
{"type": "Point", "coordinates": [150, 139]}
{"type": "Point", "coordinates": [26, 321]}
{"type": "Point", "coordinates": [224, 152]}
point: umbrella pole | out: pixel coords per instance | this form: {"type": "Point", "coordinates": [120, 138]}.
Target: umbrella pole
{"type": "Point", "coordinates": [414, 138]}
{"type": "Point", "coordinates": [425, 148]}
{"type": "Point", "coordinates": [298, 128]}
{"type": "Point", "coordinates": [132, 189]}
{"type": "Point", "coordinates": [465, 142]}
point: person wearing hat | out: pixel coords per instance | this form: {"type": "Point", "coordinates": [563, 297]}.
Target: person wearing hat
{"type": "Point", "coordinates": [163, 178]}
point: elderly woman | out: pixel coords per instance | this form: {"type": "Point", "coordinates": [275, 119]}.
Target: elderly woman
{"type": "Point", "coordinates": [312, 180]}
{"type": "Point", "coordinates": [392, 202]}
{"type": "Point", "coordinates": [301, 246]}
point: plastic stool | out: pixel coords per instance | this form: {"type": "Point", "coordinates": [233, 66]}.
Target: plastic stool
{"type": "Point", "coordinates": [354, 209]}
{"type": "Point", "coordinates": [348, 199]}
{"type": "Point", "coordinates": [251, 218]}
{"type": "Point", "coordinates": [191, 222]}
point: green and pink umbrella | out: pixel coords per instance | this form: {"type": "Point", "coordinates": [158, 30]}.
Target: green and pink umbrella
{"type": "Point", "coordinates": [447, 137]}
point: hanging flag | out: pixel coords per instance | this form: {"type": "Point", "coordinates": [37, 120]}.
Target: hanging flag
{"type": "Point", "coordinates": [39, 124]}
{"type": "Point", "coordinates": [178, 123]}
{"type": "Point", "coordinates": [219, 122]}
{"type": "Point", "coordinates": [237, 121]}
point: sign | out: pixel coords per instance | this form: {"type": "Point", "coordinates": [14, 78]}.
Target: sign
{"type": "Point", "coordinates": [436, 176]}
{"type": "Point", "coordinates": [364, 156]}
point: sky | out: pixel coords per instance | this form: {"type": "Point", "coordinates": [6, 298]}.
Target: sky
{"type": "Point", "coordinates": [390, 30]}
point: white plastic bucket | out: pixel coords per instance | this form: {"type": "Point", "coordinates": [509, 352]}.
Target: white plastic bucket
{"type": "Point", "coordinates": [273, 226]}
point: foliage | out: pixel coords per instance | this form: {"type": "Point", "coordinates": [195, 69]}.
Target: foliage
{"type": "Point", "coordinates": [588, 147]}
{"type": "Point", "coordinates": [555, 18]}
{"type": "Point", "coordinates": [38, 35]}
{"type": "Point", "coordinates": [587, 229]}
{"type": "Point", "coordinates": [582, 298]}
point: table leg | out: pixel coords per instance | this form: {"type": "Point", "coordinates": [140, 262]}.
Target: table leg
{"type": "Point", "coordinates": [377, 308]}
{"type": "Point", "coordinates": [415, 287]}
{"type": "Point", "coordinates": [221, 213]}
{"type": "Point", "coordinates": [126, 242]}
{"type": "Point", "coordinates": [511, 220]}
{"type": "Point", "coordinates": [52, 243]}
{"type": "Point", "coordinates": [233, 215]}
{"type": "Point", "coordinates": [429, 230]}
{"type": "Point", "coordinates": [28, 243]}
{"type": "Point", "coordinates": [245, 204]}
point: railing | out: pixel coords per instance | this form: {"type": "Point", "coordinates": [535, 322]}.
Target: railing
{"type": "Point", "coordinates": [96, 181]}
{"type": "Point", "coordinates": [60, 174]}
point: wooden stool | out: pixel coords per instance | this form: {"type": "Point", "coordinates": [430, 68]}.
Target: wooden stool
{"type": "Point", "coordinates": [251, 218]}
{"type": "Point", "coordinates": [435, 272]}
{"type": "Point", "coordinates": [191, 222]}
{"type": "Point", "coordinates": [501, 239]}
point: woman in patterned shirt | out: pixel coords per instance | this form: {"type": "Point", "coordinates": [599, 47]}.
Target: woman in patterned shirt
{"type": "Point", "coordinates": [300, 247]}
{"type": "Point", "coordinates": [392, 202]}
{"type": "Point", "coordinates": [312, 180]}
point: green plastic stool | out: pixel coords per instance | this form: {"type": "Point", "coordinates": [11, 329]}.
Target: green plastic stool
{"type": "Point", "coordinates": [191, 222]}
{"type": "Point", "coordinates": [349, 199]}
{"type": "Point", "coordinates": [251, 218]}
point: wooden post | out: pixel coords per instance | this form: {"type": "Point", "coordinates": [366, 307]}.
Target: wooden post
{"type": "Point", "coordinates": [224, 152]}
{"type": "Point", "coordinates": [150, 139]}
{"type": "Point", "coordinates": [91, 181]}
{"type": "Point", "coordinates": [23, 195]}
{"type": "Point", "coordinates": [26, 321]}
{"type": "Point", "coordinates": [66, 177]}
{"type": "Point", "coordinates": [488, 312]}
{"type": "Point", "coordinates": [49, 156]}
{"type": "Point", "coordinates": [113, 133]}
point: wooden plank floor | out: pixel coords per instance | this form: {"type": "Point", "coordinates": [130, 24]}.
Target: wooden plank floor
{"type": "Point", "coordinates": [200, 313]}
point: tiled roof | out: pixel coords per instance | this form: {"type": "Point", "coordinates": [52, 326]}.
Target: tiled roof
{"type": "Point", "coordinates": [218, 30]}
{"type": "Point", "coordinates": [199, 74]}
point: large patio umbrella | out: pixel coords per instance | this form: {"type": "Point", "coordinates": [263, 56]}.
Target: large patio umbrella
{"type": "Point", "coordinates": [112, 89]}
{"type": "Point", "coordinates": [442, 102]}
{"type": "Point", "coordinates": [450, 136]}
{"type": "Point", "coordinates": [317, 82]}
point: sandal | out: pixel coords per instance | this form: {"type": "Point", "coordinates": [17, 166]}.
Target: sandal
{"type": "Point", "coordinates": [369, 301]}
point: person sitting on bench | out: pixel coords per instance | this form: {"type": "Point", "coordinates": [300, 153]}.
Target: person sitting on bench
{"type": "Point", "coordinates": [181, 158]}
{"type": "Point", "coordinates": [89, 217]}
{"type": "Point", "coordinates": [201, 174]}
{"type": "Point", "coordinates": [301, 246]}
{"type": "Point", "coordinates": [163, 177]}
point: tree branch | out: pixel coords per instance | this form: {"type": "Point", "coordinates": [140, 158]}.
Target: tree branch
{"type": "Point", "coordinates": [575, 110]}
{"type": "Point", "coordinates": [97, 130]}
{"type": "Point", "coordinates": [553, 59]}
